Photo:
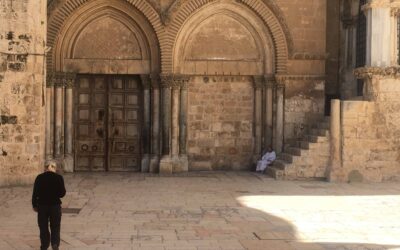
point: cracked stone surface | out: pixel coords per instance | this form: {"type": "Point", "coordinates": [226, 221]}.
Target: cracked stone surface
{"type": "Point", "coordinates": [199, 211]}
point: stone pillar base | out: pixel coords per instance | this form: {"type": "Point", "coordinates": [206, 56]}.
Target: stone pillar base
{"type": "Point", "coordinates": [166, 165]}
{"type": "Point", "coordinates": [154, 164]}
{"type": "Point", "coordinates": [68, 164]}
{"type": "Point", "coordinates": [181, 164]}
{"type": "Point", "coordinates": [174, 164]}
{"type": "Point", "coordinates": [145, 163]}
{"type": "Point", "coordinates": [337, 176]}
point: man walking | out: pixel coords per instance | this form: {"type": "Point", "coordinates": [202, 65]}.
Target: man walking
{"type": "Point", "coordinates": [47, 191]}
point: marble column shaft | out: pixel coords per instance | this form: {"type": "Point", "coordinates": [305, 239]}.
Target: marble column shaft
{"type": "Point", "coordinates": [183, 119]}
{"type": "Point", "coordinates": [175, 121]}
{"type": "Point", "coordinates": [146, 84]}
{"type": "Point", "coordinates": [68, 120]}
{"type": "Point", "coordinates": [335, 166]}
{"type": "Point", "coordinates": [59, 121]}
{"type": "Point", "coordinates": [268, 113]}
{"type": "Point", "coordinates": [258, 83]}
{"type": "Point", "coordinates": [279, 123]}
{"type": "Point", "coordinates": [49, 121]}
{"type": "Point", "coordinates": [166, 115]}
{"type": "Point", "coordinates": [155, 139]}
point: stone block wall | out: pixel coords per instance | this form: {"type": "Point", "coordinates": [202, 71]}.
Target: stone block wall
{"type": "Point", "coordinates": [220, 123]}
{"type": "Point", "coordinates": [371, 134]}
{"type": "Point", "coordinates": [22, 41]}
{"type": "Point", "coordinates": [304, 106]}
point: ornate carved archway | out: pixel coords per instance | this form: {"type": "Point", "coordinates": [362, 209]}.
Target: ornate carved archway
{"type": "Point", "coordinates": [99, 37]}
{"type": "Point", "coordinates": [270, 14]}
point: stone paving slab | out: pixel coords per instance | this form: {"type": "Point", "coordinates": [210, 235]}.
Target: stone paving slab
{"type": "Point", "coordinates": [209, 211]}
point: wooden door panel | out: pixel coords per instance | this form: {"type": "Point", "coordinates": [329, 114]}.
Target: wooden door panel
{"type": "Point", "coordinates": [107, 126]}
{"type": "Point", "coordinates": [124, 103]}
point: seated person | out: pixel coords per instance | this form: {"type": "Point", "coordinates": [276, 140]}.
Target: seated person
{"type": "Point", "coordinates": [266, 160]}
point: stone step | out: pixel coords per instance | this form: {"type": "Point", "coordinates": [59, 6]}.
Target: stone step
{"type": "Point", "coordinates": [323, 125]}
{"type": "Point", "coordinates": [280, 164]}
{"type": "Point", "coordinates": [307, 145]}
{"type": "Point", "coordinates": [315, 138]}
{"type": "Point", "coordinates": [289, 158]}
{"type": "Point", "coordinates": [275, 173]}
{"type": "Point", "coordinates": [296, 151]}
{"type": "Point", "coordinates": [319, 132]}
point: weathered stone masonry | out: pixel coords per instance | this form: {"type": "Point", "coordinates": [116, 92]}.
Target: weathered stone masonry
{"type": "Point", "coordinates": [22, 62]}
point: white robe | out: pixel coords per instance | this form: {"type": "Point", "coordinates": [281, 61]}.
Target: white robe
{"type": "Point", "coordinates": [267, 159]}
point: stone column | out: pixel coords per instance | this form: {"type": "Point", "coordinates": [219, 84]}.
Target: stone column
{"type": "Point", "coordinates": [279, 122]}
{"type": "Point", "coordinates": [268, 112]}
{"type": "Point", "coordinates": [183, 118]}
{"type": "Point", "coordinates": [59, 117]}
{"type": "Point", "coordinates": [50, 117]}
{"type": "Point", "coordinates": [183, 165]}
{"type": "Point", "coordinates": [378, 33]}
{"type": "Point", "coordinates": [146, 123]}
{"type": "Point", "coordinates": [69, 105]}
{"type": "Point", "coordinates": [155, 137]}
{"type": "Point", "coordinates": [258, 82]}
{"type": "Point", "coordinates": [175, 121]}
{"type": "Point", "coordinates": [165, 161]}
{"type": "Point", "coordinates": [171, 160]}
{"type": "Point", "coordinates": [334, 170]}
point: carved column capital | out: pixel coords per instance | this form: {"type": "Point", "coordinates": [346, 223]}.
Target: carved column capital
{"type": "Point", "coordinates": [281, 81]}
{"type": "Point", "coordinates": [155, 81]}
{"type": "Point", "coordinates": [69, 80]}
{"type": "Point", "coordinates": [173, 81]}
{"type": "Point", "coordinates": [60, 79]}
{"type": "Point", "coordinates": [258, 82]}
{"type": "Point", "coordinates": [270, 81]}
{"type": "Point", "coordinates": [146, 83]}
{"type": "Point", "coordinates": [395, 11]}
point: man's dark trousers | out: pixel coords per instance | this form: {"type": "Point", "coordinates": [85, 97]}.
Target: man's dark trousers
{"type": "Point", "coordinates": [50, 214]}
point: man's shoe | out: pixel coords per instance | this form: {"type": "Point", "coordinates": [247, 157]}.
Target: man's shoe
{"type": "Point", "coordinates": [54, 247]}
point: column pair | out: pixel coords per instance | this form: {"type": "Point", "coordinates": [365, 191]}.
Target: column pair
{"type": "Point", "coordinates": [59, 111]}
{"type": "Point", "coordinates": [174, 123]}
{"type": "Point", "coordinates": [268, 115]}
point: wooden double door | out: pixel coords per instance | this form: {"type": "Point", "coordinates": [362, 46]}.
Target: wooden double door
{"type": "Point", "coordinates": [108, 111]}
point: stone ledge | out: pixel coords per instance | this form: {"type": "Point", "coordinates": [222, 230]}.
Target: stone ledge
{"type": "Point", "coordinates": [379, 72]}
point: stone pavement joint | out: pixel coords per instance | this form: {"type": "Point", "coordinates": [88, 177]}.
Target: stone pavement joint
{"type": "Point", "coordinates": [209, 211]}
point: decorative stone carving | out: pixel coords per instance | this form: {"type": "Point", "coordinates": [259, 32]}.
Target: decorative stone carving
{"type": "Point", "coordinates": [173, 81]}
{"type": "Point", "coordinates": [371, 72]}
{"type": "Point", "coordinates": [146, 83]}
{"type": "Point", "coordinates": [373, 4]}
{"type": "Point", "coordinates": [60, 79]}
{"type": "Point", "coordinates": [395, 12]}
{"type": "Point", "coordinates": [258, 82]}
{"type": "Point", "coordinates": [155, 81]}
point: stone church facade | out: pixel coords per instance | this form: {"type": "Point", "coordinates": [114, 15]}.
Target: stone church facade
{"type": "Point", "coordinates": [174, 86]}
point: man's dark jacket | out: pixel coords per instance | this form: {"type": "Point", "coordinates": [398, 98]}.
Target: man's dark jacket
{"type": "Point", "coordinates": [48, 189]}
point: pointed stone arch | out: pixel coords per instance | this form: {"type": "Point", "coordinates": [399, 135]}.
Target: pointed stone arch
{"type": "Point", "coordinates": [60, 18]}
{"type": "Point", "coordinates": [180, 11]}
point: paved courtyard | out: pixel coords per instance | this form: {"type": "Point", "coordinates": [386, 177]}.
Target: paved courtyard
{"type": "Point", "coordinates": [199, 211]}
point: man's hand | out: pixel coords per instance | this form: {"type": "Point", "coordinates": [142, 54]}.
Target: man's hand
{"type": "Point", "coordinates": [35, 209]}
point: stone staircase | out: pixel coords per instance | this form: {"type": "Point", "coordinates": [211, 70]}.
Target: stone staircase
{"type": "Point", "coordinates": [307, 159]}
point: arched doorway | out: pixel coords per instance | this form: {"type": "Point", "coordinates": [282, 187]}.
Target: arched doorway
{"type": "Point", "coordinates": [103, 56]}
{"type": "Point", "coordinates": [226, 50]}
